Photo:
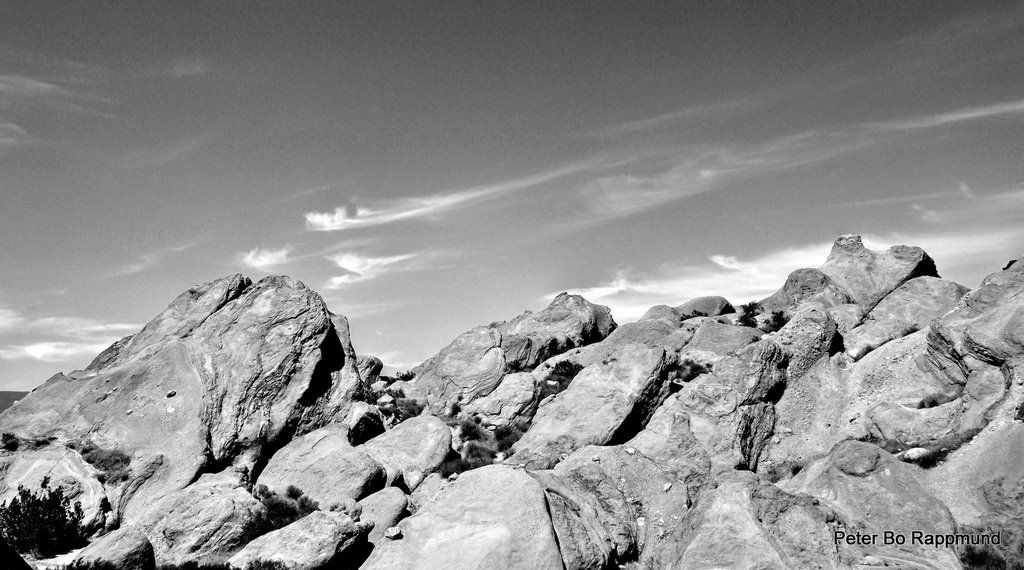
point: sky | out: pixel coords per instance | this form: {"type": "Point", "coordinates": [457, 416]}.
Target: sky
{"type": "Point", "coordinates": [428, 167]}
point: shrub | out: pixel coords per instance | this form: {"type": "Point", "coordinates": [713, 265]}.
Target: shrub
{"type": "Point", "coordinates": [506, 436]}
{"type": "Point", "coordinates": [112, 464]}
{"type": "Point", "coordinates": [1009, 264]}
{"type": "Point", "coordinates": [470, 430]}
{"type": "Point", "coordinates": [777, 320]}
{"type": "Point", "coordinates": [690, 369]}
{"type": "Point", "coordinates": [405, 376]}
{"type": "Point", "coordinates": [474, 454]}
{"type": "Point", "coordinates": [10, 441]}
{"type": "Point", "coordinates": [363, 393]}
{"type": "Point", "coordinates": [747, 314]}
{"type": "Point", "coordinates": [283, 510]}
{"type": "Point", "coordinates": [43, 525]}
{"type": "Point", "coordinates": [693, 315]}
{"type": "Point", "coordinates": [407, 408]}
{"type": "Point", "coordinates": [562, 373]}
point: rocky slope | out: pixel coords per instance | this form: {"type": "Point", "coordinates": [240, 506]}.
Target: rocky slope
{"type": "Point", "coordinates": [889, 406]}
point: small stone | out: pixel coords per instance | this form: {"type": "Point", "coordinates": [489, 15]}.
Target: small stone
{"type": "Point", "coordinates": [641, 521]}
{"type": "Point", "coordinates": [453, 476]}
{"type": "Point", "coordinates": [393, 533]}
{"type": "Point", "coordinates": [630, 450]}
{"type": "Point", "coordinates": [667, 487]}
{"type": "Point", "coordinates": [172, 394]}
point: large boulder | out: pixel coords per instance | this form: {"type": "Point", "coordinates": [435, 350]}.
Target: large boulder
{"type": "Point", "coordinates": [228, 368]}
{"type": "Point", "coordinates": [668, 440]}
{"type": "Point", "coordinates": [203, 522]}
{"type": "Point", "coordinates": [126, 548]}
{"type": "Point", "coordinates": [312, 542]}
{"type": "Point", "coordinates": [710, 306]}
{"type": "Point", "coordinates": [910, 308]}
{"type": "Point", "coordinates": [384, 509]}
{"type": "Point", "coordinates": [740, 523]}
{"type": "Point", "coordinates": [492, 517]}
{"type": "Point", "coordinates": [63, 468]}
{"type": "Point", "coordinates": [474, 364]}
{"type": "Point", "coordinates": [854, 274]}
{"type": "Point", "coordinates": [325, 466]}
{"type": "Point", "coordinates": [605, 402]}
{"type": "Point", "coordinates": [514, 401]}
{"type": "Point", "coordinates": [411, 449]}
{"type": "Point", "coordinates": [871, 492]}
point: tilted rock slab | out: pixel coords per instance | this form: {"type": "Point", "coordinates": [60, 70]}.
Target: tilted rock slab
{"type": "Point", "coordinates": [411, 449]}
{"type": "Point", "coordinates": [474, 364]}
{"type": "Point", "coordinates": [228, 367]}
{"type": "Point", "coordinates": [312, 542]}
{"type": "Point", "coordinates": [325, 466]}
{"type": "Point", "coordinates": [872, 492]}
{"type": "Point", "coordinates": [491, 517]}
{"type": "Point", "coordinates": [384, 509]}
{"type": "Point", "coordinates": [126, 548]}
{"type": "Point", "coordinates": [210, 518]}
{"type": "Point", "coordinates": [604, 401]}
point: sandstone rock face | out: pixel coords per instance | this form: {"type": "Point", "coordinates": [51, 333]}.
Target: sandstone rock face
{"type": "Point", "coordinates": [739, 523]}
{"type": "Point", "coordinates": [514, 400]}
{"type": "Point", "coordinates": [325, 466]}
{"type": "Point", "coordinates": [411, 449]}
{"type": "Point", "coordinates": [603, 402]}
{"type": "Point", "coordinates": [873, 492]}
{"type": "Point", "coordinates": [868, 275]}
{"type": "Point", "coordinates": [203, 522]}
{"type": "Point", "coordinates": [66, 469]}
{"type": "Point", "coordinates": [492, 517]}
{"type": "Point", "coordinates": [909, 308]}
{"type": "Point", "coordinates": [384, 509]}
{"type": "Point", "coordinates": [314, 541]}
{"type": "Point", "coordinates": [710, 306]}
{"type": "Point", "coordinates": [228, 367]}
{"type": "Point", "coordinates": [126, 548]}
{"type": "Point", "coordinates": [473, 365]}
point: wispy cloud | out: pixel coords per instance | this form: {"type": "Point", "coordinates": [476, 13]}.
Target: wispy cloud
{"type": "Point", "coordinates": [692, 115]}
{"type": "Point", "coordinates": [17, 90]}
{"type": "Point", "coordinates": [354, 215]}
{"type": "Point", "coordinates": [11, 135]}
{"type": "Point", "coordinates": [56, 339]}
{"type": "Point", "coordinates": [265, 259]}
{"type": "Point", "coordinates": [150, 260]}
{"type": "Point", "coordinates": [164, 154]}
{"type": "Point", "coordinates": [699, 169]}
{"type": "Point", "coordinates": [359, 267]}
{"type": "Point", "coordinates": [187, 68]}
{"type": "Point", "coordinates": [961, 115]}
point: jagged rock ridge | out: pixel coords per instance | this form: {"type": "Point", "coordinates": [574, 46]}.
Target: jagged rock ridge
{"type": "Point", "coordinates": [891, 400]}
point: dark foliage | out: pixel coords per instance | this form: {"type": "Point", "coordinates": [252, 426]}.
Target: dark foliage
{"type": "Point", "coordinates": [1007, 555]}
{"type": "Point", "coordinates": [363, 393]}
{"type": "Point", "coordinates": [747, 313]}
{"type": "Point", "coordinates": [98, 565]}
{"type": "Point", "coordinates": [195, 566]}
{"type": "Point", "coordinates": [929, 401]}
{"type": "Point", "coordinates": [470, 430]}
{"type": "Point", "coordinates": [784, 470]}
{"type": "Point", "coordinates": [44, 524]}
{"type": "Point", "coordinates": [474, 454]}
{"type": "Point", "coordinates": [693, 315]}
{"type": "Point", "coordinates": [405, 376]}
{"type": "Point", "coordinates": [776, 321]}
{"type": "Point", "coordinates": [113, 464]}
{"type": "Point", "coordinates": [1009, 264]}
{"type": "Point", "coordinates": [559, 378]}
{"type": "Point", "coordinates": [408, 408]}
{"type": "Point", "coordinates": [283, 510]}
{"type": "Point", "coordinates": [10, 441]}
{"type": "Point", "coordinates": [506, 436]}
{"type": "Point", "coordinates": [690, 369]}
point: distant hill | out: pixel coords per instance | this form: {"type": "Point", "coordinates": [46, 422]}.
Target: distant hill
{"type": "Point", "coordinates": [8, 398]}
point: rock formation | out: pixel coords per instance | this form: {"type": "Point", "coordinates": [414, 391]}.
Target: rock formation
{"type": "Point", "coordinates": [885, 402]}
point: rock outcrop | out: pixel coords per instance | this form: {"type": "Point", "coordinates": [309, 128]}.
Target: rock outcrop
{"type": "Point", "coordinates": [887, 402]}
{"type": "Point", "coordinates": [228, 368]}
{"type": "Point", "coordinates": [473, 365]}
{"type": "Point", "coordinates": [493, 517]}
{"type": "Point", "coordinates": [317, 540]}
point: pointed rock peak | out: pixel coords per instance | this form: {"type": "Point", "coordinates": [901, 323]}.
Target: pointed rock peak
{"type": "Point", "coordinates": [847, 243]}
